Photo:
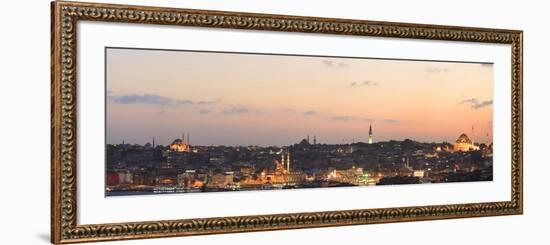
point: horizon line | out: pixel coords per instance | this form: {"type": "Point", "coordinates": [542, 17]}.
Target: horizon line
{"type": "Point", "coordinates": [280, 146]}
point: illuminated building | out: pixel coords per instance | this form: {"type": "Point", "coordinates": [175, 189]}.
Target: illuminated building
{"type": "Point", "coordinates": [370, 134]}
{"type": "Point", "coordinates": [125, 177]}
{"type": "Point", "coordinates": [179, 145]}
{"type": "Point", "coordinates": [112, 178]}
{"type": "Point", "coordinates": [463, 143]}
{"type": "Point", "coordinates": [247, 171]}
{"type": "Point", "coordinates": [418, 173]}
{"type": "Point", "coordinates": [281, 172]}
{"type": "Point", "coordinates": [443, 147]}
{"type": "Point", "coordinates": [221, 180]}
{"type": "Point", "coordinates": [185, 178]}
{"type": "Point", "coordinates": [353, 176]}
{"type": "Point", "coordinates": [281, 175]}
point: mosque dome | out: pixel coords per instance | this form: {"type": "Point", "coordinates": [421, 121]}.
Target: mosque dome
{"type": "Point", "coordinates": [464, 143]}
{"type": "Point", "coordinates": [180, 145]}
{"type": "Point", "coordinates": [463, 139]}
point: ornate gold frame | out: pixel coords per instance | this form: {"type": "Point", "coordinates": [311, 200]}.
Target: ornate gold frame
{"type": "Point", "coordinates": [65, 16]}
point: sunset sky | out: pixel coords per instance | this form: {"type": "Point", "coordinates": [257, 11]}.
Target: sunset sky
{"type": "Point", "coordinates": [252, 99]}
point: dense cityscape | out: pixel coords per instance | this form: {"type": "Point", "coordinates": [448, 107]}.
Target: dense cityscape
{"type": "Point", "coordinates": [184, 168]}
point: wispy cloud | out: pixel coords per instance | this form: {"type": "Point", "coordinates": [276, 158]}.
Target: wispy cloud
{"type": "Point", "coordinates": [204, 111]}
{"type": "Point", "coordinates": [434, 70]}
{"type": "Point", "coordinates": [476, 103]}
{"type": "Point", "coordinates": [342, 118]}
{"type": "Point", "coordinates": [202, 102]}
{"type": "Point", "coordinates": [331, 63]}
{"type": "Point", "coordinates": [364, 83]}
{"type": "Point", "coordinates": [391, 121]}
{"type": "Point", "coordinates": [236, 110]}
{"type": "Point", "coordinates": [154, 99]}
{"type": "Point", "coordinates": [342, 64]}
{"type": "Point", "coordinates": [347, 118]}
{"type": "Point", "coordinates": [309, 113]}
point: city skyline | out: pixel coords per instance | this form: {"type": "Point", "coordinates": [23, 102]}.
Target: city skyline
{"type": "Point", "coordinates": [268, 100]}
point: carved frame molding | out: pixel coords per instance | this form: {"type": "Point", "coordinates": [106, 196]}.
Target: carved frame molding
{"type": "Point", "coordinates": [66, 15]}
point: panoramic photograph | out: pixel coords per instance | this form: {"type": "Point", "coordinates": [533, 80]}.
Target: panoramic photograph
{"type": "Point", "coordinates": [181, 121]}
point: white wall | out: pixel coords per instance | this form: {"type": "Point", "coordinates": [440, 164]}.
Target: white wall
{"type": "Point", "coordinates": [25, 120]}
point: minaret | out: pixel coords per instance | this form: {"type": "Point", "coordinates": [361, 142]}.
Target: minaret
{"type": "Point", "coordinates": [308, 138]}
{"type": "Point", "coordinates": [370, 134]}
{"type": "Point", "coordinates": [472, 137]}
{"type": "Point", "coordinates": [314, 139]}
{"type": "Point", "coordinates": [153, 142]}
{"type": "Point", "coordinates": [283, 157]}
{"type": "Point", "coordinates": [188, 138]}
{"type": "Point", "coordinates": [183, 137]}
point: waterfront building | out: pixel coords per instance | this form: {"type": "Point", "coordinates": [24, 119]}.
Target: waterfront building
{"type": "Point", "coordinates": [354, 176]}
{"type": "Point", "coordinates": [221, 180]}
{"type": "Point", "coordinates": [125, 177]}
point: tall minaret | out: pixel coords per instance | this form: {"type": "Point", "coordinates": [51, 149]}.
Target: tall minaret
{"type": "Point", "coordinates": [472, 137]}
{"type": "Point", "coordinates": [308, 138]}
{"type": "Point", "coordinates": [283, 157]}
{"type": "Point", "coordinates": [370, 134]}
{"type": "Point", "coordinates": [188, 138]}
{"type": "Point", "coordinates": [314, 139]}
{"type": "Point", "coordinates": [153, 141]}
{"type": "Point", "coordinates": [183, 137]}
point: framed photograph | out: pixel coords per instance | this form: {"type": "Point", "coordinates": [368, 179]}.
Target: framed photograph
{"type": "Point", "coordinates": [176, 122]}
